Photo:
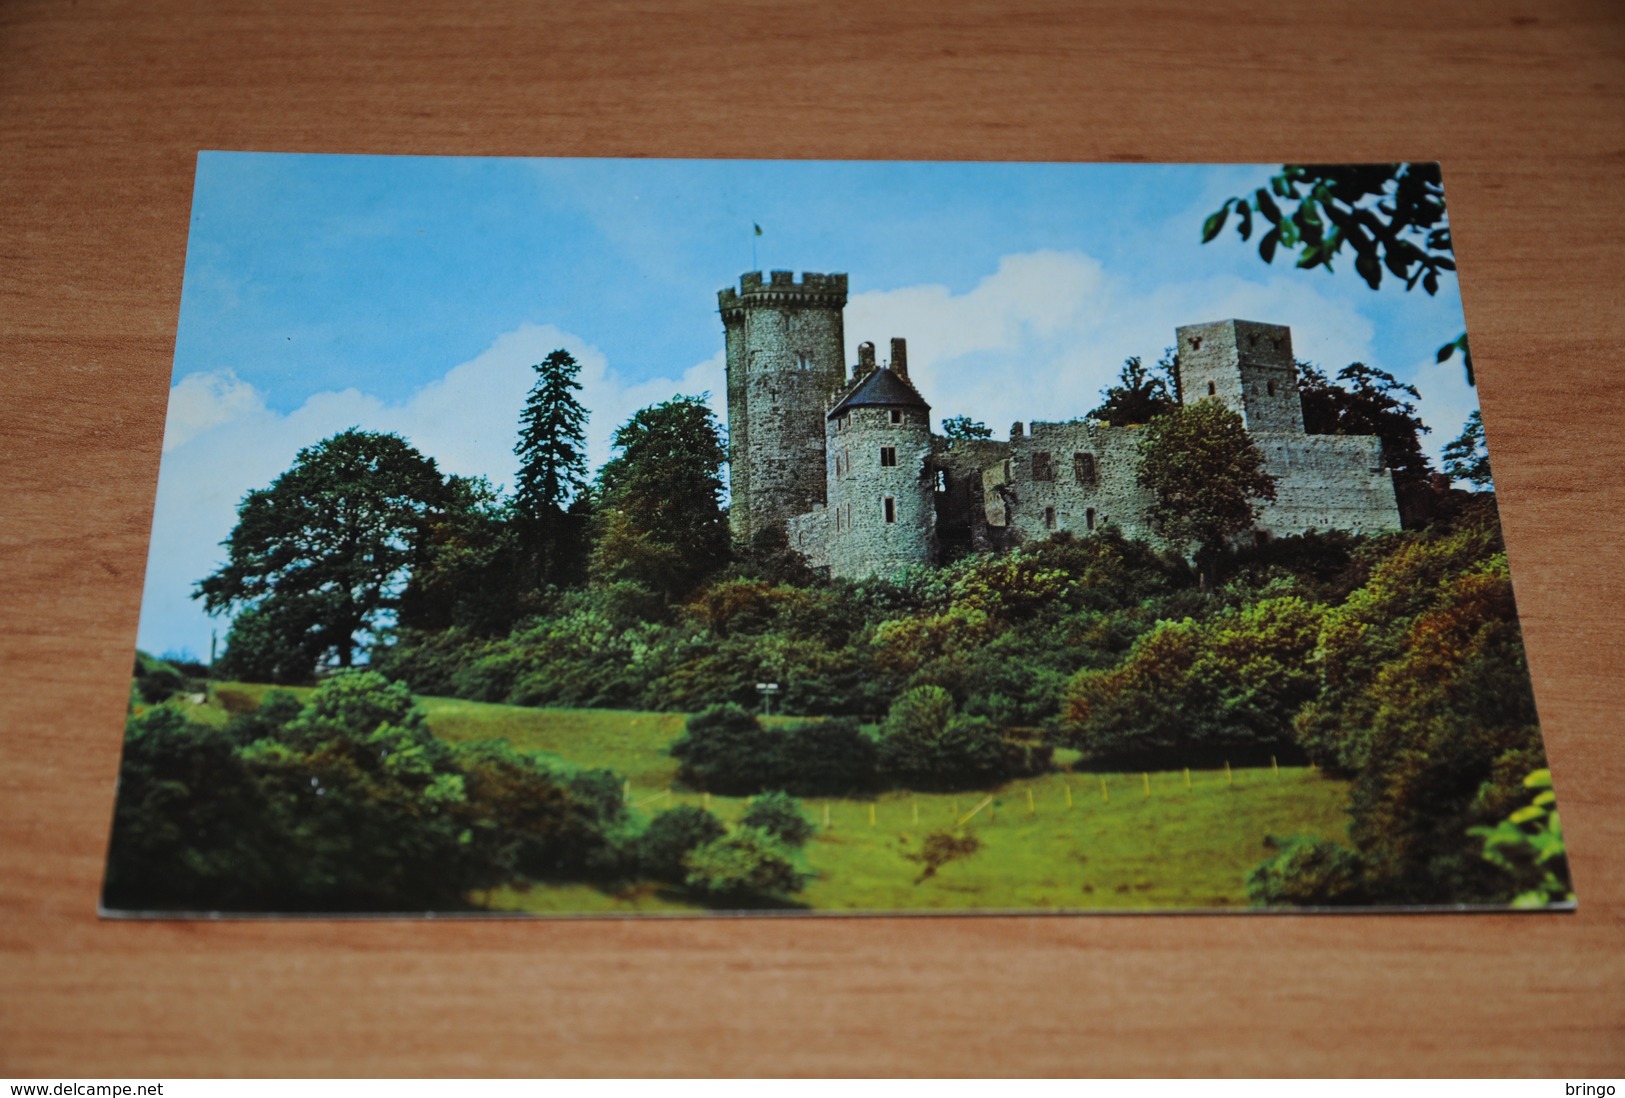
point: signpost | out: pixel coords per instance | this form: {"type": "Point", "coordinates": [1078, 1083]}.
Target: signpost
{"type": "Point", "coordinates": [767, 690]}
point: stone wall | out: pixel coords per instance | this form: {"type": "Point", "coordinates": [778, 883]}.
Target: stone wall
{"type": "Point", "coordinates": [1327, 482]}
{"type": "Point", "coordinates": [1077, 476]}
{"type": "Point", "coordinates": [859, 538]}
{"type": "Point", "coordinates": [786, 350]}
{"type": "Point", "coordinates": [961, 503]}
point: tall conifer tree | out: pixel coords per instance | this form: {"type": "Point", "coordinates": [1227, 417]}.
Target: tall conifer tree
{"type": "Point", "coordinates": [552, 452]}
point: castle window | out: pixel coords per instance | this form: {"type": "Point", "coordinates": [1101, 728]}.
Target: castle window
{"type": "Point", "coordinates": [840, 422]}
{"type": "Point", "coordinates": [802, 361]}
{"type": "Point", "coordinates": [888, 457]}
{"type": "Point", "coordinates": [1272, 388]}
{"type": "Point", "coordinates": [889, 506]}
{"type": "Point", "coordinates": [1043, 466]}
{"type": "Point", "coordinates": [897, 415]}
{"type": "Point", "coordinates": [942, 480]}
{"type": "Point", "coordinates": [1212, 389]}
{"type": "Point", "coordinates": [1089, 518]}
{"type": "Point", "coordinates": [1083, 467]}
{"type": "Point", "coordinates": [1049, 518]}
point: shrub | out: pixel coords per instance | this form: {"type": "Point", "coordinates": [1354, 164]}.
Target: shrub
{"type": "Point", "coordinates": [726, 750]}
{"type": "Point", "coordinates": [723, 750]}
{"type": "Point", "coordinates": [942, 847]}
{"type": "Point", "coordinates": [926, 745]}
{"type": "Point", "coordinates": [1307, 872]}
{"type": "Point", "coordinates": [744, 866]}
{"type": "Point", "coordinates": [671, 836]}
{"type": "Point", "coordinates": [779, 815]}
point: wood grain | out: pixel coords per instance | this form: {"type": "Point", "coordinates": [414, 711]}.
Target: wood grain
{"type": "Point", "coordinates": [103, 106]}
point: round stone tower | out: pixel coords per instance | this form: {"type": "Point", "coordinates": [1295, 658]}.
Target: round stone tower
{"type": "Point", "coordinates": [785, 356]}
{"type": "Point", "coordinates": [881, 517]}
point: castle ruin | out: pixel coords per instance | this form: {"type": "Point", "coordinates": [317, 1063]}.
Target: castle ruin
{"type": "Point", "coordinates": [848, 467]}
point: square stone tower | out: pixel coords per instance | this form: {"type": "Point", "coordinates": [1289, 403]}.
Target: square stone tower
{"type": "Point", "coordinates": [1245, 365]}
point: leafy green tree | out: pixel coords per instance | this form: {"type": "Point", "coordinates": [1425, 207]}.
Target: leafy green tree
{"type": "Point", "coordinates": [552, 452]}
{"type": "Point", "coordinates": [746, 866]}
{"type": "Point", "coordinates": [1305, 871]}
{"type": "Point", "coordinates": [471, 572]}
{"type": "Point", "coordinates": [964, 427]}
{"type": "Point", "coordinates": [779, 814]}
{"type": "Point", "coordinates": [1206, 477]}
{"type": "Point", "coordinates": [1367, 401]}
{"type": "Point", "coordinates": [926, 744]}
{"type": "Point", "coordinates": [1139, 395]}
{"type": "Point", "coordinates": [1467, 458]}
{"type": "Point", "coordinates": [1392, 216]}
{"type": "Point", "coordinates": [672, 836]}
{"type": "Point", "coordinates": [320, 558]}
{"type": "Point", "coordinates": [1529, 846]}
{"type": "Point", "coordinates": [660, 519]}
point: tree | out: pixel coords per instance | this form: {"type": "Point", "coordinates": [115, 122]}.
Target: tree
{"type": "Point", "coordinates": [1368, 401]}
{"type": "Point", "coordinates": [321, 557]}
{"type": "Point", "coordinates": [1139, 395]}
{"type": "Point", "coordinates": [660, 520]}
{"type": "Point", "coordinates": [1205, 475]}
{"type": "Point", "coordinates": [1391, 215]}
{"type": "Point", "coordinates": [964, 427]}
{"type": "Point", "coordinates": [1467, 458]}
{"type": "Point", "coordinates": [553, 465]}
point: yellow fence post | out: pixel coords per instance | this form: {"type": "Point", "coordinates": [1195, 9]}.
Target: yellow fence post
{"type": "Point", "coordinates": [1229, 778]}
{"type": "Point", "coordinates": [871, 813]}
{"type": "Point", "coordinates": [914, 802]}
{"type": "Point", "coordinates": [1032, 809]}
{"type": "Point", "coordinates": [1067, 786]}
{"type": "Point", "coordinates": [1275, 768]}
{"type": "Point", "coordinates": [1105, 794]}
{"type": "Point", "coordinates": [1187, 779]}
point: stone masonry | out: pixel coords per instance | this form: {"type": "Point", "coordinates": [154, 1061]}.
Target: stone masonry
{"type": "Point", "coordinates": [850, 468]}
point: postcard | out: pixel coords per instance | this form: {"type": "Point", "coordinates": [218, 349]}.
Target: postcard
{"type": "Point", "coordinates": [639, 537]}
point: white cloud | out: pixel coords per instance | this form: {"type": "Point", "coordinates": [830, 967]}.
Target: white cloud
{"type": "Point", "coordinates": [202, 401]}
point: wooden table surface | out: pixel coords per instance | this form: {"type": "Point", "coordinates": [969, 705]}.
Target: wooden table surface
{"type": "Point", "coordinates": [103, 106]}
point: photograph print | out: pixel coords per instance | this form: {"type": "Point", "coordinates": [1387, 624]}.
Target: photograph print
{"type": "Point", "coordinates": [641, 537]}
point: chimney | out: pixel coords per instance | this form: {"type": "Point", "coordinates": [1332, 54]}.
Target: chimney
{"type": "Point", "coordinates": [866, 361]}
{"type": "Point", "coordinates": [899, 357]}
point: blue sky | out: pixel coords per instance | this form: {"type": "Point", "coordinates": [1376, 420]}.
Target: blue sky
{"type": "Point", "coordinates": [413, 293]}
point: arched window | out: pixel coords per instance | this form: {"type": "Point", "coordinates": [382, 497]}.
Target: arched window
{"type": "Point", "coordinates": [1212, 389]}
{"type": "Point", "coordinates": [1089, 518]}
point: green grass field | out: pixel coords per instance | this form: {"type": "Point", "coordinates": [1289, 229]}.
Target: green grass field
{"type": "Point", "coordinates": [1065, 841]}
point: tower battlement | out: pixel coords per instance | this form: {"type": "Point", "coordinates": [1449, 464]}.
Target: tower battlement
{"type": "Point", "coordinates": [781, 288]}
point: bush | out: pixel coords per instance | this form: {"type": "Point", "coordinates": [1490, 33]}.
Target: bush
{"type": "Point", "coordinates": [669, 839]}
{"type": "Point", "coordinates": [779, 815]}
{"type": "Point", "coordinates": [1309, 873]}
{"type": "Point", "coordinates": [723, 750]}
{"type": "Point", "coordinates": [745, 866]}
{"type": "Point", "coordinates": [726, 750]}
{"type": "Point", "coordinates": [924, 744]}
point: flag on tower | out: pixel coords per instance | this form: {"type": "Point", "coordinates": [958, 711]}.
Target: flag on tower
{"type": "Point", "coordinates": [757, 227]}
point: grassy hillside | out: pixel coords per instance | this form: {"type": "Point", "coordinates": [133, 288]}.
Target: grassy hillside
{"type": "Point", "coordinates": [1061, 841]}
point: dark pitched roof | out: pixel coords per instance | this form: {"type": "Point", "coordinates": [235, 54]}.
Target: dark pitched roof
{"type": "Point", "coordinates": [882, 387]}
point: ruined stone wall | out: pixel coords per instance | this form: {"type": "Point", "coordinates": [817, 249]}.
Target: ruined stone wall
{"type": "Point", "coordinates": [962, 526]}
{"type": "Point", "coordinates": [1327, 482]}
{"type": "Point", "coordinates": [786, 351]}
{"type": "Point", "coordinates": [1077, 476]}
{"type": "Point", "coordinates": [860, 540]}
{"type": "Point", "coordinates": [1246, 366]}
